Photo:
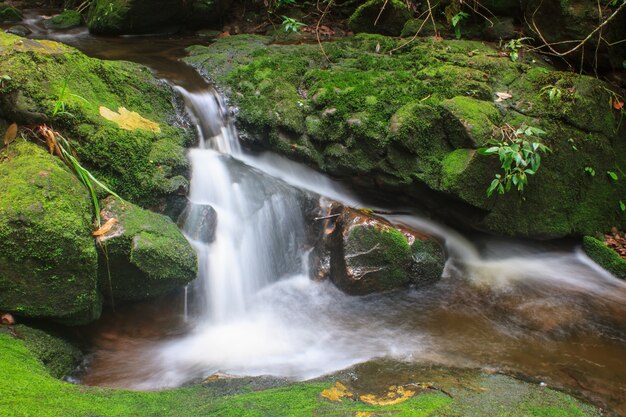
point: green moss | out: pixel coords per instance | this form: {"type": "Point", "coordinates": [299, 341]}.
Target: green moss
{"type": "Point", "coordinates": [108, 17]}
{"type": "Point", "coordinates": [388, 22]}
{"type": "Point", "coordinates": [48, 258]}
{"type": "Point", "coordinates": [146, 254]}
{"type": "Point", "coordinates": [392, 116]}
{"type": "Point", "coordinates": [9, 13]}
{"type": "Point", "coordinates": [136, 164]}
{"type": "Point", "coordinates": [58, 356]}
{"type": "Point", "coordinates": [28, 388]}
{"type": "Point", "coordinates": [66, 20]}
{"type": "Point", "coordinates": [604, 256]}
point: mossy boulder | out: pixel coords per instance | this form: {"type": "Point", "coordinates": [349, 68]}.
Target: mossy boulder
{"type": "Point", "coordinates": [366, 254]}
{"type": "Point", "coordinates": [48, 259]}
{"type": "Point", "coordinates": [68, 19]}
{"type": "Point", "coordinates": [116, 17]}
{"type": "Point", "coordinates": [604, 256]}
{"type": "Point", "coordinates": [146, 254]}
{"type": "Point", "coordinates": [380, 16]}
{"type": "Point", "coordinates": [9, 13]}
{"type": "Point", "coordinates": [409, 120]}
{"type": "Point", "coordinates": [52, 83]}
{"type": "Point", "coordinates": [58, 355]}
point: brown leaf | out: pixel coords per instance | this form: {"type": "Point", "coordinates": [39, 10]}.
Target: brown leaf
{"type": "Point", "coordinates": [10, 134]}
{"type": "Point", "coordinates": [618, 104]}
{"type": "Point", "coordinates": [503, 96]}
{"type": "Point", "coordinates": [105, 227]}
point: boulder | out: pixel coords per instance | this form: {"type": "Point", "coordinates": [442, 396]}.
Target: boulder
{"type": "Point", "coordinates": [366, 254]}
{"type": "Point", "coordinates": [117, 17]}
{"type": "Point", "coordinates": [380, 16]}
{"type": "Point", "coordinates": [604, 256]}
{"type": "Point", "coordinates": [48, 259]}
{"type": "Point", "coordinates": [408, 124]}
{"type": "Point", "coordinates": [145, 254]}
{"type": "Point", "coordinates": [68, 19]}
{"type": "Point", "coordinates": [124, 124]}
{"type": "Point", "coordinates": [19, 30]}
{"type": "Point", "coordinates": [199, 222]}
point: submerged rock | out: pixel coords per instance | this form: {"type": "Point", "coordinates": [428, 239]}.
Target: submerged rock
{"type": "Point", "coordinates": [145, 254]}
{"type": "Point", "coordinates": [199, 222]}
{"type": "Point", "coordinates": [48, 259]}
{"type": "Point", "coordinates": [366, 254]}
{"type": "Point", "coordinates": [408, 123]}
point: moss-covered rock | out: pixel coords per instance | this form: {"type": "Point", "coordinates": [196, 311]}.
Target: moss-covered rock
{"type": "Point", "coordinates": [116, 17]}
{"type": "Point", "coordinates": [146, 254]}
{"type": "Point", "coordinates": [58, 355]}
{"type": "Point", "coordinates": [48, 259]}
{"type": "Point", "coordinates": [57, 84]}
{"type": "Point", "coordinates": [9, 13]}
{"type": "Point", "coordinates": [380, 16]}
{"type": "Point", "coordinates": [408, 118]}
{"type": "Point", "coordinates": [68, 19]}
{"type": "Point", "coordinates": [367, 254]}
{"type": "Point", "coordinates": [604, 256]}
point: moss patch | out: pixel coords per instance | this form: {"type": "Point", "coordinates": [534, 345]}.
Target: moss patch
{"type": "Point", "coordinates": [604, 256]}
{"type": "Point", "coordinates": [48, 260]}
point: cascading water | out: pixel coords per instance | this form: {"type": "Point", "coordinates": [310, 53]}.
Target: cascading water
{"type": "Point", "coordinates": [255, 311]}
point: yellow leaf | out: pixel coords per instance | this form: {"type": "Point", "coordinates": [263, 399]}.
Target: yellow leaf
{"type": "Point", "coordinates": [394, 395]}
{"type": "Point", "coordinates": [337, 392]}
{"type": "Point", "coordinates": [10, 134]}
{"type": "Point", "coordinates": [129, 120]}
{"type": "Point", "coordinates": [105, 227]}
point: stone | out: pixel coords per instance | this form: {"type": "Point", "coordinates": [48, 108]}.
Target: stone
{"type": "Point", "coordinates": [145, 254]}
{"type": "Point", "coordinates": [19, 30]}
{"type": "Point", "coordinates": [199, 222]}
{"type": "Point", "coordinates": [368, 17]}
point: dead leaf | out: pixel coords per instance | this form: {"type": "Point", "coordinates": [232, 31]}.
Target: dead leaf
{"type": "Point", "coordinates": [7, 319]}
{"type": "Point", "coordinates": [10, 134]}
{"type": "Point", "coordinates": [395, 395]}
{"type": "Point", "coordinates": [129, 120]}
{"type": "Point", "coordinates": [105, 227]}
{"type": "Point", "coordinates": [337, 392]}
{"type": "Point", "coordinates": [618, 104]}
{"type": "Point", "coordinates": [503, 96]}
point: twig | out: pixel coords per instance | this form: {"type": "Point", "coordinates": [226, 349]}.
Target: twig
{"type": "Point", "coordinates": [317, 29]}
{"type": "Point", "coordinates": [327, 217]}
{"type": "Point", "coordinates": [380, 13]}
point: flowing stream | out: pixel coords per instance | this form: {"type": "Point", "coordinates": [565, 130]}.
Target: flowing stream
{"type": "Point", "coordinates": [541, 310]}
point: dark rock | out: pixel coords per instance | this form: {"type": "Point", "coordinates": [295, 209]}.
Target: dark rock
{"type": "Point", "coordinates": [366, 254]}
{"type": "Point", "coordinates": [19, 30]}
{"type": "Point", "coordinates": [199, 222]}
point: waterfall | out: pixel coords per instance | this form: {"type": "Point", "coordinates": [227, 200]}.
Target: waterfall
{"type": "Point", "coordinates": [259, 228]}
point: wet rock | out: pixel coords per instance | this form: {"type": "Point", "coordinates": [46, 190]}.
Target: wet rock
{"type": "Point", "coordinates": [199, 222]}
{"type": "Point", "coordinates": [48, 260]}
{"type": "Point", "coordinates": [146, 255]}
{"type": "Point", "coordinates": [368, 254]}
{"type": "Point", "coordinates": [19, 30]}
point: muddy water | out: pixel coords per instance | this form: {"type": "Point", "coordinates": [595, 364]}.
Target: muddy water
{"type": "Point", "coordinates": [537, 310]}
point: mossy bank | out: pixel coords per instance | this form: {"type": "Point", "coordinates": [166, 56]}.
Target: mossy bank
{"type": "Point", "coordinates": [27, 386]}
{"type": "Point", "coordinates": [407, 118]}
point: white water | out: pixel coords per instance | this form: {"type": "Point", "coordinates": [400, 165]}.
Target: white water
{"type": "Point", "coordinates": [256, 311]}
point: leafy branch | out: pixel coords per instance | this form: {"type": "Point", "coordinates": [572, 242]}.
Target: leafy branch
{"type": "Point", "coordinates": [519, 158]}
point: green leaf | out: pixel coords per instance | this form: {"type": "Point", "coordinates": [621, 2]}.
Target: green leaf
{"type": "Point", "coordinates": [612, 175]}
{"type": "Point", "coordinates": [622, 206]}
{"type": "Point", "coordinates": [488, 151]}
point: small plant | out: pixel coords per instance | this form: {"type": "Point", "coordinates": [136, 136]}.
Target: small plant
{"type": "Point", "coordinates": [590, 171]}
{"type": "Point", "coordinates": [519, 158]}
{"type": "Point", "coordinates": [554, 93]}
{"type": "Point", "coordinates": [456, 23]}
{"type": "Point", "coordinates": [59, 104]}
{"type": "Point", "coordinates": [514, 46]}
{"type": "Point", "coordinates": [292, 25]}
